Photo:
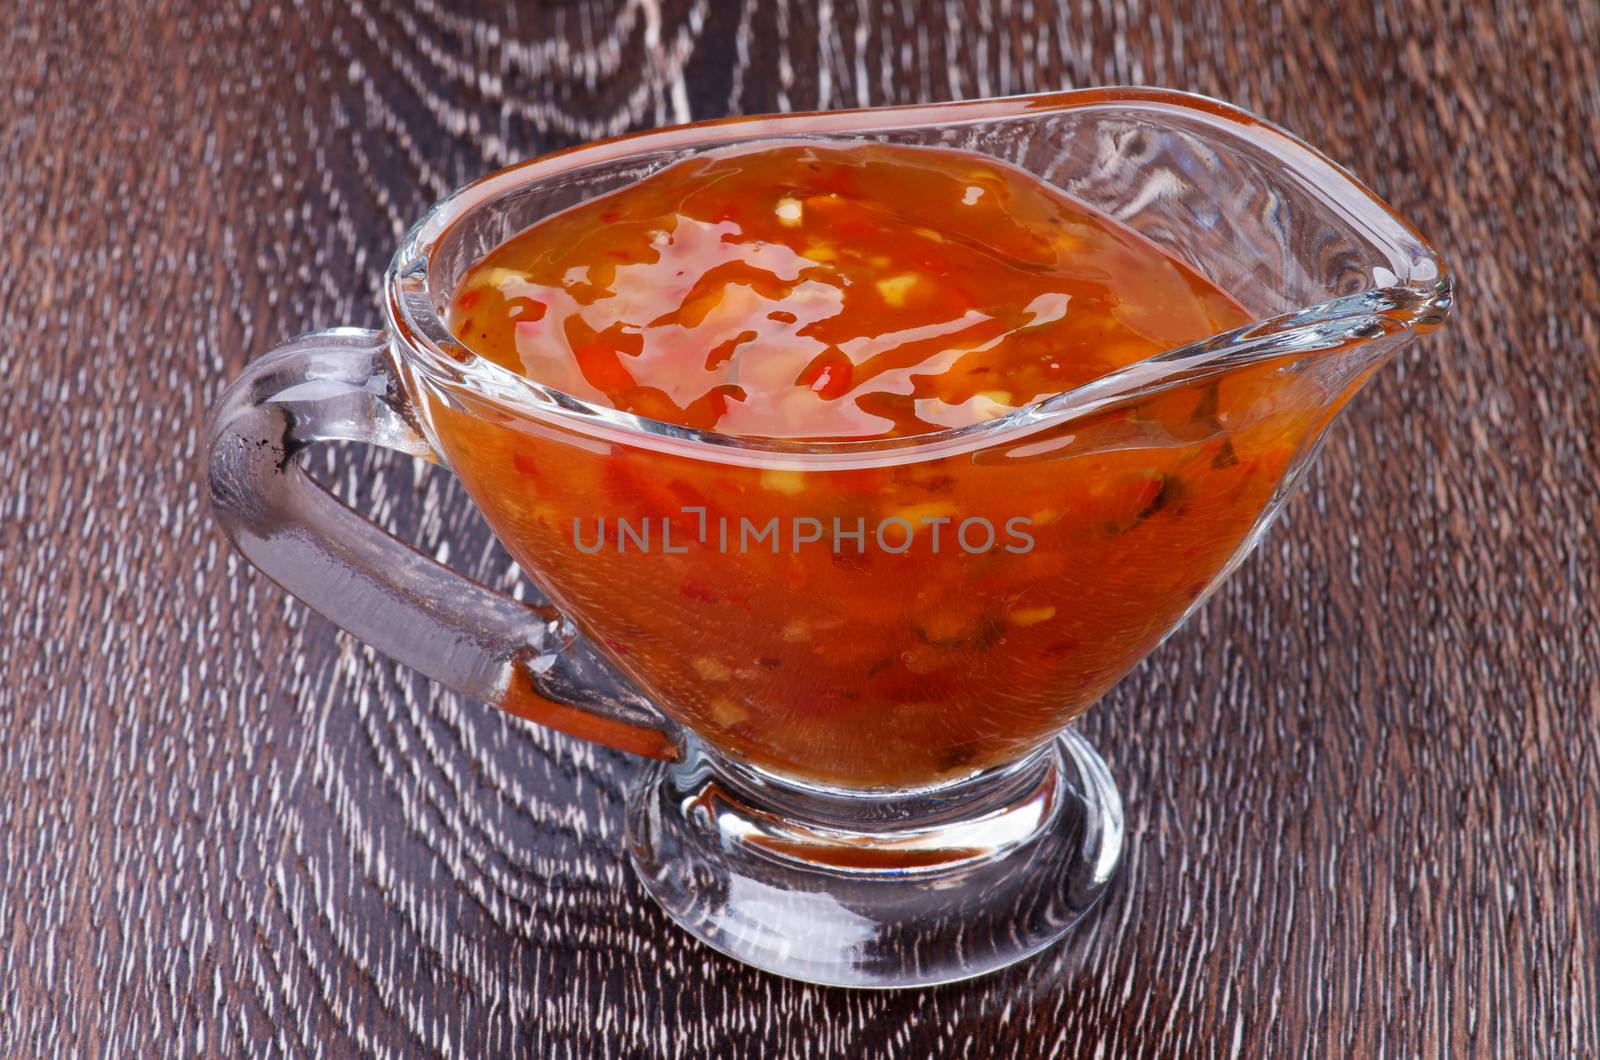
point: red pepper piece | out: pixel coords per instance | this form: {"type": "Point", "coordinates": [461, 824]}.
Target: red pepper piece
{"type": "Point", "coordinates": [602, 367]}
{"type": "Point", "coordinates": [704, 411]}
{"type": "Point", "coordinates": [833, 380]}
{"type": "Point", "coordinates": [696, 591]}
{"type": "Point", "coordinates": [830, 375]}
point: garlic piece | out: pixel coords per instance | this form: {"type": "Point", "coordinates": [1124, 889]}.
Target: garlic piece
{"type": "Point", "coordinates": [726, 713]}
{"type": "Point", "coordinates": [1030, 616]}
{"type": "Point", "coordinates": [894, 289]}
{"type": "Point", "coordinates": [916, 513]}
{"type": "Point", "coordinates": [788, 483]}
{"type": "Point", "coordinates": [711, 669]}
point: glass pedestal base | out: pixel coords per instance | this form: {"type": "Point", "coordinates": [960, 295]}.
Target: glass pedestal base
{"type": "Point", "coordinates": [904, 889]}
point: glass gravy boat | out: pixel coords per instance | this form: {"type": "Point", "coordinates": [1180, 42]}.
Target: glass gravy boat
{"type": "Point", "coordinates": [864, 773]}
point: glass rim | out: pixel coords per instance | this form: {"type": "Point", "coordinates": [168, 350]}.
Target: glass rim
{"type": "Point", "coordinates": [1419, 296]}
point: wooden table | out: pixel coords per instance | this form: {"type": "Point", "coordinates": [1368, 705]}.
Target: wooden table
{"type": "Point", "coordinates": [1362, 790]}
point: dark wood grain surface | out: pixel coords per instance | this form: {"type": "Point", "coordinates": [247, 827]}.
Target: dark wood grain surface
{"type": "Point", "coordinates": [1362, 786]}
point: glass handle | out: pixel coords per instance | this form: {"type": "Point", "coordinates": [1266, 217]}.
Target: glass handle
{"type": "Point", "coordinates": [341, 385]}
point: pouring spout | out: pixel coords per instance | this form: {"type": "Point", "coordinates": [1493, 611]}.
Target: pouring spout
{"type": "Point", "coordinates": [1329, 344]}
